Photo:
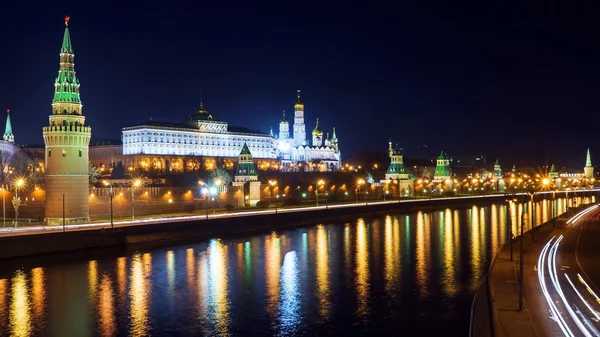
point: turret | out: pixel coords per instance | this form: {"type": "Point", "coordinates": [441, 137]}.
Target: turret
{"type": "Point", "coordinates": [8, 133]}
{"type": "Point", "coordinates": [334, 141]}
{"type": "Point", "coordinates": [497, 170]}
{"type": "Point", "coordinates": [245, 170]}
{"type": "Point", "coordinates": [396, 170]}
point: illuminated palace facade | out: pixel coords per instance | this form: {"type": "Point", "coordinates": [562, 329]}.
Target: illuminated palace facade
{"type": "Point", "coordinates": [201, 141]}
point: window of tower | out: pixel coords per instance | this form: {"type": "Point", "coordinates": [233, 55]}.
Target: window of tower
{"type": "Point", "coordinates": [49, 152]}
{"type": "Point", "coordinates": [80, 152]}
{"type": "Point", "coordinates": [64, 153]}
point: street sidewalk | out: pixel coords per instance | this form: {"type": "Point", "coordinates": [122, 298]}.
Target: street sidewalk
{"type": "Point", "coordinates": [504, 287]}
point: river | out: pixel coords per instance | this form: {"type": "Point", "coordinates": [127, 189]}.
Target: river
{"type": "Point", "coordinates": [410, 274]}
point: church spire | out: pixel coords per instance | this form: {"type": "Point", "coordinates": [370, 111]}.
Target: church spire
{"type": "Point", "coordinates": [299, 96]}
{"type": "Point", "coordinates": [8, 134]}
{"type": "Point", "coordinates": [66, 45]}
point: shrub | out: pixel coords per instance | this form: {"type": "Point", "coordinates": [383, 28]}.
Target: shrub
{"type": "Point", "coordinates": [229, 207]}
{"type": "Point", "coordinates": [260, 204]}
{"type": "Point", "coordinates": [190, 207]}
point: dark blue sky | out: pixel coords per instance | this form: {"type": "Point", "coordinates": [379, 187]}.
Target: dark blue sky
{"type": "Point", "coordinates": [507, 81]}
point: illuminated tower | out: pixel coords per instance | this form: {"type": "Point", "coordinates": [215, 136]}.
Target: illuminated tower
{"type": "Point", "coordinates": [396, 170]}
{"type": "Point", "coordinates": [67, 140]}
{"type": "Point", "coordinates": [8, 134]}
{"type": "Point", "coordinates": [497, 170]}
{"type": "Point", "coordinates": [334, 141]}
{"type": "Point", "coordinates": [588, 170]}
{"type": "Point", "coordinates": [246, 178]}
{"type": "Point", "coordinates": [442, 168]}
{"type": "Point", "coordinates": [299, 130]}
{"type": "Point", "coordinates": [284, 128]}
{"type": "Point", "coordinates": [317, 135]}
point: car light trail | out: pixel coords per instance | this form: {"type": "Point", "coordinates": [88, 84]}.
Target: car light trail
{"type": "Point", "coordinates": [553, 309]}
{"type": "Point", "coordinates": [578, 216]}
{"type": "Point", "coordinates": [582, 299]}
{"type": "Point", "coordinates": [588, 288]}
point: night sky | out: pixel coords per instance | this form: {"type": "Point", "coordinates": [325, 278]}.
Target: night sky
{"type": "Point", "coordinates": [508, 81]}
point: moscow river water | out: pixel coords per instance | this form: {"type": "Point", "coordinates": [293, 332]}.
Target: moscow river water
{"type": "Point", "coordinates": [410, 274]}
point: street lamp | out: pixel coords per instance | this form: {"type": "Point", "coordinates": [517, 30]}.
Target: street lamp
{"type": "Point", "coordinates": [359, 182]}
{"type": "Point", "coordinates": [137, 182]}
{"type": "Point", "coordinates": [213, 192]}
{"type": "Point", "coordinates": [110, 194]}
{"type": "Point", "coordinates": [18, 183]}
{"type": "Point", "coordinates": [273, 184]}
{"type": "Point", "coordinates": [204, 191]}
{"type": "Point", "coordinates": [323, 183]}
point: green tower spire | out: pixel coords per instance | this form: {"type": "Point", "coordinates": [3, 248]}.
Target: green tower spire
{"type": "Point", "coordinates": [552, 174]}
{"type": "Point", "coordinates": [588, 159]}
{"type": "Point", "coordinates": [8, 133]}
{"type": "Point", "coordinates": [66, 99]}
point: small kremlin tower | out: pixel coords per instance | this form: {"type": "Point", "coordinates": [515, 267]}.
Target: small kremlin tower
{"type": "Point", "coordinates": [442, 168]}
{"type": "Point", "coordinates": [588, 170]}
{"type": "Point", "coordinates": [67, 142]}
{"type": "Point", "coordinates": [8, 133]}
{"type": "Point", "coordinates": [246, 175]}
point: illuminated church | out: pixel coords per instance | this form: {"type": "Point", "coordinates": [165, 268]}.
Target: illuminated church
{"type": "Point", "coordinates": [322, 154]}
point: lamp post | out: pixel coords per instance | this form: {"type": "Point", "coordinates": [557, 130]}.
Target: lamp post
{"type": "Point", "coordinates": [272, 185]}
{"type": "Point", "coordinates": [19, 183]}
{"type": "Point", "coordinates": [213, 192]}
{"type": "Point", "coordinates": [359, 182]}
{"type": "Point", "coordinates": [110, 194]}
{"type": "Point", "coordinates": [323, 183]}
{"type": "Point", "coordinates": [137, 182]}
{"type": "Point", "coordinates": [521, 260]}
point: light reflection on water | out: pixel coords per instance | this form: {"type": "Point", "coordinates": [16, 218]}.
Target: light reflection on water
{"type": "Point", "coordinates": [415, 272]}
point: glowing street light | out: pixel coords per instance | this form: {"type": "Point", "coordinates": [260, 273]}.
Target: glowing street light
{"type": "Point", "coordinates": [273, 184]}
{"type": "Point", "coordinates": [137, 182]}
{"type": "Point", "coordinates": [110, 194]}
{"type": "Point", "coordinates": [19, 183]}
{"type": "Point", "coordinates": [322, 182]}
{"type": "Point", "coordinates": [359, 182]}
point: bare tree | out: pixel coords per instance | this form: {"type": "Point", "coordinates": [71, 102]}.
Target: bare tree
{"type": "Point", "coordinates": [94, 173]}
{"type": "Point", "coordinates": [6, 158]}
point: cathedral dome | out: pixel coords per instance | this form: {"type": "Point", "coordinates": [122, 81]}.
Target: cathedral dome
{"type": "Point", "coordinates": [317, 130]}
{"type": "Point", "coordinates": [200, 115]}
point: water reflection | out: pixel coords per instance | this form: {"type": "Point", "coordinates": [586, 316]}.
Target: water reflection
{"type": "Point", "coordinates": [423, 254]}
{"type": "Point", "coordinates": [272, 263]}
{"type": "Point", "coordinates": [38, 293]}
{"type": "Point", "coordinates": [476, 245]}
{"type": "Point", "coordinates": [362, 269]}
{"type": "Point", "coordinates": [449, 277]}
{"type": "Point", "coordinates": [106, 312]}
{"type": "Point", "coordinates": [289, 304]}
{"type": "Point", "coordinates": [20, 315]}
{"type": "Point", "coordinates": [322, 261]}
{"type": "Point", "coordinates": [301, 282]}
{"type": "Point", "coordinates": [3, 297]}
{"type": "Point", "coordinates": [139, 294]}
{"type": "Point", "coordinates": [391, 247]}
{"type": "Point", "coordinates": [218, 279]}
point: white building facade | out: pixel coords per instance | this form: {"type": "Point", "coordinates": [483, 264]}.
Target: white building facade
{"type": "Point", "coordinates": [200, 136]}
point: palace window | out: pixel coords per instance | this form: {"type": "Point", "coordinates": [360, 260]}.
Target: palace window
{"type": "Point", "coordinates": [64, 153]}
{"type": "Point", "coordinates": [49, 152]}
{"type": "Point", "coordinates": [80, 152]}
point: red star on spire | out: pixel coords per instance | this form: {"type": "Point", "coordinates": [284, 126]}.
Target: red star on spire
{"type": "Point", "coordinates": [67, 20]}
{"type": "Point", "coordinates": [7, 111]}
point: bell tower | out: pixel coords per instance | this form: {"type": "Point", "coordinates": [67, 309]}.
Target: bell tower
{"type": "Point", "coordinates": [67, 142]}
